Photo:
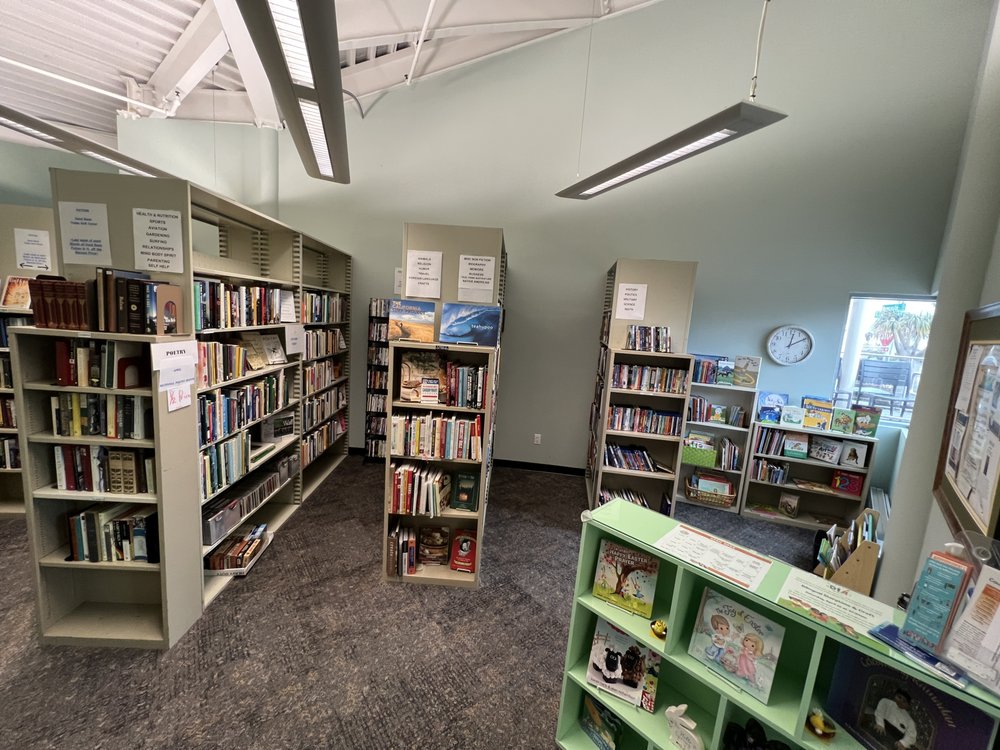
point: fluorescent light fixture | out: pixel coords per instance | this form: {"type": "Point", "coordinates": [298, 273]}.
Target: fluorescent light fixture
{"type": "Point", "coordinates": [297, 44]}
{"type": "Point", "coordinates": [726, 126]}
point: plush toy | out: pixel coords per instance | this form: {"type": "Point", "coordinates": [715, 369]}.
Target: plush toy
{"type": "Point", "coordinates": [611, 668]}
{"type": "Point", "coordinates": [682, 728]}
{"type": "Point", "coordinates": [633, 667]}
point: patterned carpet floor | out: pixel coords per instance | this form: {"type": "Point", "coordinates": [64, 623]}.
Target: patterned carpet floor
{"type": "Point", "coordinates": [314, 651]}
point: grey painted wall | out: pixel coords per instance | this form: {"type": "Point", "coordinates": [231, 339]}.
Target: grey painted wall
{"type": "Point", "coordinates": [24, 172]}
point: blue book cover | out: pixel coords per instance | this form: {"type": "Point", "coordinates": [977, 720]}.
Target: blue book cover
{"type": "Point", "coordinates": [462, 323]}
{"type": "Point", "coordinates": [412, 320]}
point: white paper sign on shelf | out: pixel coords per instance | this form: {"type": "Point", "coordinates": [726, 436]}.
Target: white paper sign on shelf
{"type": "Point", "coordinates": [631, 302]}
{"type": "Point", "coordinates": [476, 278]}
{"type": "Point", "coordinates": [168, 353]}
{"type": "Point", "coordinates": [295, 339]}
{"type": "Point", "coordinates": [85, 233]}
{"type": "Point", "coordinates": [287, 310]}
{"type": "Point", "coordinates": [158, 239]}
{"type": "Point", "coordinates": [423, 273]}
{"type": "Point", "coordinates": [397, 287]}
{"type": "Point", "coordinates": [176, 379]}
{"type": "Point", "coordinates": [734, 564]}
{"type": "Point", "coordinates": [32, 250]}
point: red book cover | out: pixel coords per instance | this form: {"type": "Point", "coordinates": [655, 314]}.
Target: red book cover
{"type": "Point", "coordinates": [845, 481]}
{"type": "Point", "coordinates": [463, 550]}
{"type": "Point", "coordinates": [67, 451]}
{"type": "Point", "coordinates": [38, 304]}
{"type": "Point", "coordinates": [53, 316]}
{"type": "Point", "coordinates": [63, 371]}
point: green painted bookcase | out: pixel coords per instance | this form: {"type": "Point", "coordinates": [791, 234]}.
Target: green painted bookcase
{"type": "Point", "coordinates": [805, 667]}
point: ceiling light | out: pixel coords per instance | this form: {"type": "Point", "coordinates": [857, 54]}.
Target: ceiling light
{"type": "Point", "coordinates": [297, 45]}
{"type": "Point", "coordinates": [723, 127]}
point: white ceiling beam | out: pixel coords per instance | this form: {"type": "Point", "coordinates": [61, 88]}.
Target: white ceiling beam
{"type": "Point", "coordinates": [258, 88]}
{"type": "Point", "coordinates": [198, 49]}
{"type": "Point", "coordinates": [558, 24]}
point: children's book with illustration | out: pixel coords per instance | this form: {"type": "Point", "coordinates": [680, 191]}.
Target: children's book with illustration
{"type": "Point", "coordinates": [818, 412]}
{"type": "Point", "coordinates": [622, 666]}
{"type": "Point", "coordinates": [792, 415]}
{"type": "Point", "coordinates": [417, 368]}
{"type": "Point", "coordinates": [854, 454]}
{"type": "Point", "coordinates": [825, 449]}
{"type": "Point", "coordinates": [602, 725]}
{"type": "Point", "coordinates": [626, 577]}
{"type": "Point", "coordinates": [470, 324]}
{"type": "Point", "coordinates": [746, 371]}
{"type": "Point", "coordinates": [725, 372]}
{"type": "Point", "coordinates": [737, 643]}
{"type": "Point", "coordinates": [411, 319]}
{"type": "Point", "coordinates": [796, 445]}
{"type": "Point", "coordinates": [866, 419]}
{"type": "Point", "coordinates": [843, 421]}
{"type": "Point", "coordinates": [773, 403]}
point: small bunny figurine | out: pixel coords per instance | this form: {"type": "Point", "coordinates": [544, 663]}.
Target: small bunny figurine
{"type": "Point", "coordinates": [682, 732]}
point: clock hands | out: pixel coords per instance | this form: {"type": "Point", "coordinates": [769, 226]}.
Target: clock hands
{"type": "Point", "coordinates": [793, 343]}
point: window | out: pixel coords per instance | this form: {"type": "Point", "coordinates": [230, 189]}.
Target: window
{"type": "Point", "coordinates": [882, 354]}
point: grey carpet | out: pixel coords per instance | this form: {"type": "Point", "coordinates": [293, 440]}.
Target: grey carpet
{"type": "Point", "coordinates": [314, 651]}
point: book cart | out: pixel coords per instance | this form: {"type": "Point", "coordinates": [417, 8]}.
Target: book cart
{"type": "Point", "coordinates": [452, 242]}
{"type": "Point", "coordinates": [377, 378]}
{"type": "Point", "coordinates": [623, 397]}
{"type": "Point", "coordinates": [804, 672]}
{"type": "Point", "coordinates": [269, 472]}
{"type": "Point", "coordinates": [12, 219]}
{"type": "Point", "coordinates": [820, 505]}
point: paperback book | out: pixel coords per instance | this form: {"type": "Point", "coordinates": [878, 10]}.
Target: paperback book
{"type": "Point", "coordinates": [626, 577]}
{"type": "Point", "coordinates": [843, 421]}
{"type": "Point", "coordinates": [417, 368]}
{"type": "Point", "coordinates": [737, 643]}
{"type": "Point", "coordinates": [412, 320]}
{"type": "Point", "coordinates": [462, 323]}
{"type": "Point", "coordinates": [432, 548]}
{"type": "Point", "coordinates": [16, 293]}
{"type": "Point", "coordinates": [854, 454]}
{"type": "Point", "coordinates": [866, 419]}
{"type": "Point", "coordinates": [600, 724]}
{"type": "Point", "coordinates": [788, 504]}
{"type": "Point", "coordinates": [796, 445]}
{"type": "Point", "coordinates": [622, 666]}
{"type": "Point", "coordinates": [466, 494]}
{"type": "Point", "coordinates": [818, 412]}
{"type": "Point", "coordinates": [463, 551]}
{"type": "Point", "coordinates": [824, 449]}
{"type": "Point", "coordinates": [791, 416]}
{"type": "Point", "coordinates": [725, 371]}
{"type": "Point", "coordinates": [769, 406]}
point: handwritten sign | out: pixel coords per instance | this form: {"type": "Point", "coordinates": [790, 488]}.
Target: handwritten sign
{"type": "Point", "coordinates": [175, 361]}
{"type": "Point", "coordinates": [31, 249]}
{"type": "Point", "coordinates": [84, 228]}
{"type": "Point", "coordinates": [159, 242]}
{"type": "Point", "coordinates": [423, 273]}
{"type": "Point", "coordinates": [476, 274]}
{"type": "Point", "coordinates": [631, 302]}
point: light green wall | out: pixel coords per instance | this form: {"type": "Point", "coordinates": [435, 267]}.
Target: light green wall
{"type": "Point", "coordinates": [24, 172]}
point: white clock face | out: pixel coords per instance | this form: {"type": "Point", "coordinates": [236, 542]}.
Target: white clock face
{"type": "Point", "coordinates": [789, 345]}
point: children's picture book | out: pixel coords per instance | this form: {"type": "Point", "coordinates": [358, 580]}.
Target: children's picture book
{"type": "Point", "coordinates": [824, 449]}
{"type": "Point", "coordinates": [792, 415]}
{"type": "Point", "coordinates": [737, 643]}
{"type": "Point", "coordinates": [16, 293]}
{"type": "Point", "coordinates": [843, 421]}
{"type": "Point", "coordinates": [600, 724]}
{"type": "Point", "coordinates": [622, 666]}
{"type": "Point", "coordinates": [470, 324]}
{"type": "Point", "coordinates": [255, 353]}
{"type": "Point", "coordinates": [847, 481]}
{"type": "Point", "coordinates": [936, 599]}
{"type": "Point", "coordinates": [866, 419]}
{"type": "Point", "coordinates": [885, 709]}
{"type": "Point", "coordinates": [818, 412]}
{"type": "Point", "coordinates": [432, 548]}
{"type": "Point", "coordinates": [854, 454]}
{"type": "Point", "coordinates": [412, 320]}
{"type": "Point", "coordinates": [463, 550]}
{"type": "Point", "coordinates": [796, 445]}
{"type": "Point", "coordinates": [769, 414]}
{"type": "Point", "coordinates": [725, 372]}
{"type": "Point", "coordinates": [771, 399]}
{"type": "Point", "coordinates": [272, 348]}
{"type": "Point", "coordinates": [466, 494]}
{"type": "Point", "coordinates": [746, 370]}
{"type": "Point", "coordinates": [626, 577]}
{"type": "Point", "coordinates": [718, 413]}
{"type": "Point", "coordinates": [418, 367]}
{"type": "Point", "coordinates": [788, 504]}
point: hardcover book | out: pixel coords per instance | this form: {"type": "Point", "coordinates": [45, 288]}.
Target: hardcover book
{"type": "Point", "coordinates": [843, 421]}
{"type": "Point", "coordinates": [622, 666]}
{"type": "Point", "coordinates": [725, 371]}
{"type": "Point", "coordinates": [746, 371]}
{"type": "Point", "coordinates": [866, 419]}
{"type": "Point", "coordinates": [463, 551]}
{"type": "Point", "coordinates": [272, 349]}
{"type": "Point", "coordinates": [626, 577]}
{"type": "Point", "coordinates": [788, 504]}
{"type": "Point", "coordinates": [824, 449]}
{"type": "Point", "coordinates": [718, 413]}
{"type": "Point", "coordinates": [847, 481]}
{"type": "Point", "coordinates": [772, 400]}
{"type": "Point", "coordinates": [737, 643]}
{"type": "Point", "coordinates": [885, 709]}
{"type": "Point", "coordinates": [16, 293]}
{"type": "Point", "coordinates": [463, 323]}
{"type": "Point", "coordinates": [466, 494]}
{"type": "Point", "coordinates": [432, 548]}
{"type": "Point", "coordinates": [792, 415]}
{"type": "Point", "coordinates": [796, 445]}
{"type": "Point", "coordinates": [600, 724]}
{"type": "Point", "coordinates": [415, 368]}
{"type": "Point", "coordinates": [854, 454]}
{"type": "Point", "coordinates": [818, 412]}
{"type": "Point", "coordinates": [411, 319]}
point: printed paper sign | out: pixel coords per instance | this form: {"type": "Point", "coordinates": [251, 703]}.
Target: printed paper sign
{"type": "Point", "coordinates": [631, 302]}
{"type": "Point", "coordinates": [159, 242]}
{"type": "Point", "coordinates": [166, 354]}
{"type": "Point", "coordinates": [295, 339]}
{"type": "Point", "coordinates": [423, 273]}
{"type": "Point", "coordinates": [85, 233]}
{"type": "Point", "coordinates": [476, 277]}
{"type": "Point", "coordinates": [31, 249]}
{"type": "Point", "coordinates": [734, 564]}
{"type": "Point", "coordinates": [397, 287]}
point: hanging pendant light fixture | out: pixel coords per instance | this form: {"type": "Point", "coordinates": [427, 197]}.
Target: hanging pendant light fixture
{"type": "Point", "coordinates": [723, 127]}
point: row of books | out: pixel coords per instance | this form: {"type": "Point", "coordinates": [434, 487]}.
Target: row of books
{"type": "Point", "coordinates": [456, 384]}
{"type": "Point", "coordinates": [223, 412]}
{"type": "Point", "coordinates": [85, 468]}
{"type": "Point", "coordinates": [223, 514]}
{"type": "Point", "coordinates": [621, 493]}
{"type": "Point", "coordinates": [316, 409]}
{"type": "Point", "coordinates": [129, 302]}
{"type": "Point", "coordinates": [375, 402]}
{"type": "Point", "coordinates": [378, 331]}
{"type": "Point", "coordinates": [323, 307]}
{"type": "Point", "coordinates": [219, 304]}
{"type": "Point", "coordinates": [100, 364]}
{"type": "Point", "coordinates": [829, 450]}
{"type": "Point", "coordinates": [317, 441]}
{"type": "Point", "coordinates": [219, 362]}
{"type": "Point", "coordinates": [817, 413]}
{"type": "Point", "coordinates": [322, 342]}
{"type": "Point", "coordinates": [419, 490]}
{"type": "Point", "coordinates": [429, 436]}
{"type": "Point", "coordinates": [7, 414]}
{"type": "Point", "coordinates": [700, 409]}
{"type": "Point", "coordinates": [409, 549]}
{"type": "Point", "coordinates": [378, 355]}
{"type": "Point", "coordinates": [223, 463]}
{"type": "Point", "coordinates": [319, 375]}
{"type": "Point", "coordinates": [10, 453]}
{"type": "Point", "coordinates": [730, 455]}
{"type": "Point", "coordinates": [640, 419]}
{"type": "Point", "coordinates": [775, 472]}
{"type": "Point", "coordinates": [708, 481]}
{"type": "Point", "coordinates": [375, 446]}
{"type": "Point", "coordinates": [378, 307]}
{"type": "Point", "coordinates": [6, 321]}
{"type": "Point", "coordinates": [647, 338]}
{"type": "Point", "coordinates": [646, 378]}
{"type": "Point", "coordinates": [378, 380]}
{"type": "Point", "coordinates": [114, 532]}
{"type": "Point", "coordinates": [375, 424]}
{"type": "Point", "coordinates": [742, 370]}
{"type": "Point", "coordinates": [6, 373]}
{"type": "Point", "coordinates": [247, 544]}
{"type": "Point", "coordinates": [90, 414]}
{"type": "Point", "coordinates": [635, 458]}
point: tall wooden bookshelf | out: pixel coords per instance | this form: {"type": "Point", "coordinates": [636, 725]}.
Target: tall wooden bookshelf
{"type": "Point", "coordinates": [452, 242]}
{"type": "Point", "coordinates": [377, 378]}
{"type": "Point", "coordinates": [12, 219]}
{"type": "Point", "coordinates": [274, 457]}
{"type": "Point", "coordinates": [669, 295]}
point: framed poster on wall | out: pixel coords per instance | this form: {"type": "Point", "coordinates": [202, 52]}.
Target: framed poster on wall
{"type": "Point", "coordinates": [966, 481]}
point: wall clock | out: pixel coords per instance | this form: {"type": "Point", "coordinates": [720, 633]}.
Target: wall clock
{"type": "Point", "coordinates": [789, 344]}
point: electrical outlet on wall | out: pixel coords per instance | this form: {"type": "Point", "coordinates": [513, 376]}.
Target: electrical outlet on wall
{"type": "Point", "coordinates": [537, 440]}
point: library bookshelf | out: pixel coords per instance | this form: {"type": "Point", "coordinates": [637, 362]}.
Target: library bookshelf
{"type": "Point", "coordinates": [804, 672]}
{"type": "Point", "coordinates": [819, 505]}
{"type": "Point", "coordinates": [377, 378]}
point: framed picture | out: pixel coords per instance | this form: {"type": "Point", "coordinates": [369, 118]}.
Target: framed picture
{"type": "Point", "coordinates": [965, 484]}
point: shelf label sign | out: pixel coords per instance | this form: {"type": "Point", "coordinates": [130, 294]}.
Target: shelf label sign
{"type": "Point", "coordinates": [476, 278]}
{"type": "Point", "coordinates": [31, 248]}
{"type": "Point", "coordinates": [295, 339]}
{"type": "Point", "coordinates": [175, 361]}
{"type": "Point", "coordinates": [158, 239]}
{"type": "Point", "coordinates": [631, 302]}
{"type": "Point", "coordinates": [84, 229]}
{"type": "Point", "coordinates": [397, 285]}
{"type": "Point", "coordinates": [734, 564]}
{"type": "Point", "coordinates": [423, 273]}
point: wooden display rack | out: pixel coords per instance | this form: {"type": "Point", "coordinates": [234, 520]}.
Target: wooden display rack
{"type": "Point", "coordinates": [857, 572]}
